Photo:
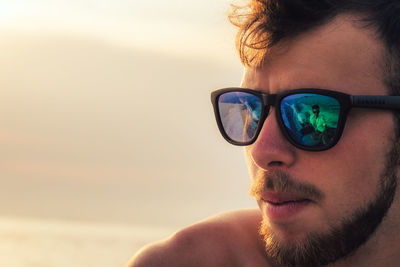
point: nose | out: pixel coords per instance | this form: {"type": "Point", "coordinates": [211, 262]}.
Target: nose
{"type": "Point", "coordinates": [271, 149]}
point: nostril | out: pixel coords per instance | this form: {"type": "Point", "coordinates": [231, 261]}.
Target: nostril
{"type": "Point", "coordinates": [275, 163]}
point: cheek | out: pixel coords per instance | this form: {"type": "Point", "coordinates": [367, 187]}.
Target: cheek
{"type": "Point", "coordinates": [346, 184]}
{"type": "Point", "coordinates": [356, 164]}
{"type": "Point", "coordinates": [252, 167]}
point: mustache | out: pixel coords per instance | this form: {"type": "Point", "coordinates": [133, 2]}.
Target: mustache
{"type": "Point", "coordinates": [280, 181]}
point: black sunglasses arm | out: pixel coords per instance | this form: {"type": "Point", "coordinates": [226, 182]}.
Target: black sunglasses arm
{"type": "Point", "coordinates": [370, 101]}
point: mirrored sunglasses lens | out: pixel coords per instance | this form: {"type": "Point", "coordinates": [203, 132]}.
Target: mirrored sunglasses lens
{"type": "Point", "coordinates": [311, 119]}
{"type": "Point", "coordinates": [240, 115]}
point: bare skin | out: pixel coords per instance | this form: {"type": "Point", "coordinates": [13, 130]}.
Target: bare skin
{"type": "Point", "coordinates": [338, 56]}
{"type": "Point", "coordinates": [229, 239]}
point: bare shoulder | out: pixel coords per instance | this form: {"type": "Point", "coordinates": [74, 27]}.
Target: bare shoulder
{"type": "Point", "coordinates": [212, 242]}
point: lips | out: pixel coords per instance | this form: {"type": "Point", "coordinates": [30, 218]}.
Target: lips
{"type": "Point", "coordinates": [284, 206]}
{"type": "Point", "coordinates": [276, 198]}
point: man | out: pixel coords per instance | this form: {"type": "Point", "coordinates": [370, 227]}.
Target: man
{"type": "Point", "coordinates": [334, 203]}
{"type": "Point", "coordinates": [317, 121]}
{"type": "Point", "coordinates": [319, 124]}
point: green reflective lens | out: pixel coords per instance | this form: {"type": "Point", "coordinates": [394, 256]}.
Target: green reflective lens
{"type": "Point", "coordinates": [311, 119]}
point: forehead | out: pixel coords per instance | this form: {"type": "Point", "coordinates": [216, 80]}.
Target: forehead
{"type": "Point", "coordinates": [341, 55]}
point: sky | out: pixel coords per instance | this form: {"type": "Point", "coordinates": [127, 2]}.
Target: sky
{"type": "Point", "coordinates": [105, 111]}
{"type": "Point", "coordinates": [174, 26]}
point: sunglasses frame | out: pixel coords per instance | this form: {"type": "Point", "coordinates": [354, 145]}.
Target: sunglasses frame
{"type": "Point", "coordinates": [346, 102]}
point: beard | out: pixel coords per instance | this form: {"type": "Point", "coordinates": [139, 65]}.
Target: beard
{"type": "Point", "coordinates": [319, 249]}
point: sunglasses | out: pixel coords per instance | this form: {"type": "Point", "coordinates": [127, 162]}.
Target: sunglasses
{"type": "Point", "coordinates": [310, 119]}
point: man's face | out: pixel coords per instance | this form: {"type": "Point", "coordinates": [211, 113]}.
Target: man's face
{"type": "Point", "coordinates": [303, 194]}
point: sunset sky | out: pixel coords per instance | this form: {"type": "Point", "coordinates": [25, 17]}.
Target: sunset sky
{"type": "Point", "coordinates": [105, 111]}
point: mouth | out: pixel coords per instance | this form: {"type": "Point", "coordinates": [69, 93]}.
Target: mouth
{"type": "Point", "coordinates": [288, 202]}
{"type": "Point", "coordinates": [281, 198]}
{"type": "Point", "coordinates": [283, 206]}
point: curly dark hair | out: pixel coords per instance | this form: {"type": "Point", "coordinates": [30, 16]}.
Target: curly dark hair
{"type": "Point", "coordinates": [264, 23]}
